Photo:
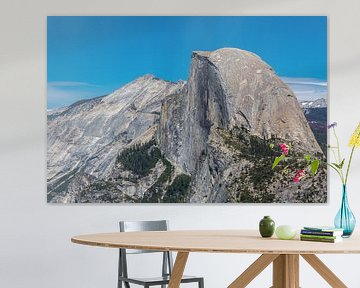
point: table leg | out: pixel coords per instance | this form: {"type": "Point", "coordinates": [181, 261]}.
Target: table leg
{"type": "Point", "coordinates": [324, 271]}
{"type": "Point", "coordinates": [253, 270]}
{"type": "Point", "coordinates": [286, 271]}
{"type": "Point", "coordinates": [178, 269]}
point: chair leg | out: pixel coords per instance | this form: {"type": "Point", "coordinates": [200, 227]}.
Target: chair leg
{"type": "Point", "coordinates": [201, 283]}
{"type": "Point", "coordinates": [119, 270]}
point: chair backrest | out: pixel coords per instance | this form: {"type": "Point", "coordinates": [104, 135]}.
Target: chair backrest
{"type": "Point", "coordinates": [134, 226]}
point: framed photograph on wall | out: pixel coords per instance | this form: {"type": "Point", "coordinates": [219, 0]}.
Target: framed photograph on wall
{"type": "Point", "coordinates": [190, 109]}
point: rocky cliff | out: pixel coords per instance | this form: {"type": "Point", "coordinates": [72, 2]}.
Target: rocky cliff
{"type": "Point", "coordinates": [85, 139]}
{"type": "Point", "coordinates": [231, 88]}
{"type": "Point", "coordinates": [229, 92]}
{"type": "Point", "coordinates": [206, 140]}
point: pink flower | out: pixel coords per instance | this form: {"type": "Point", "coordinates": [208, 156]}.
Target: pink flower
{"type": "Point", "coordinates": [284, 148]}
{"type": "Point", "coordinates": [299, 174]}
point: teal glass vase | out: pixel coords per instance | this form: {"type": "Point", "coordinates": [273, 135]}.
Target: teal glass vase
{"type": "Point", "coordinates": [345, 219]}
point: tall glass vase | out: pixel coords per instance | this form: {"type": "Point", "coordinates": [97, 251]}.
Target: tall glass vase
{"type": "Point", "coordinates": [345, 219]}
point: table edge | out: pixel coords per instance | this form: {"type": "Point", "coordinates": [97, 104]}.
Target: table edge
{"type": "Point", "coordinates": [203, 250]}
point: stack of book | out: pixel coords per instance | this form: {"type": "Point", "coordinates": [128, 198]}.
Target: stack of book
{"type": "Point", "coordinates": [321, 234]}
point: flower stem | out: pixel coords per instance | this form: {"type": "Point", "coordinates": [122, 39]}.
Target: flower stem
{"type": "Point", "coordinates": [338, 146]}
{"type": "Point", "coordinates": [334, 154]}
{"type": "Point", "coordinates": [339, 155]}
{"type": "Point", "coordinates": [338, 171]}
{"type": "Point", "coordinates": [348, 166]}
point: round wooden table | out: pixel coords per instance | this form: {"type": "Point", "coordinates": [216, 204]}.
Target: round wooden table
{"type": "Point", "coordinates": [284, 254]}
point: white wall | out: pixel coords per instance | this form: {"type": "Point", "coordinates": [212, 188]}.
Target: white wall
{"type": "Point", "coordinates": [35, 248]}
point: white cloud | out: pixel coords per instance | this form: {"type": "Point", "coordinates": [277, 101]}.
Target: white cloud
{"type": "Point", "coordinates": [304, 81]}
{"type": "Point", "coordinates": [70, 84]}
{"type": "Point", "coordinates": [307, 88]}
{"type": "Point", "coordinates": [65, 93]}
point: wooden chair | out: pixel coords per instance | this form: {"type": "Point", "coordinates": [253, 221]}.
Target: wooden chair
{"type": "Point", "coordinates": [167, 263]}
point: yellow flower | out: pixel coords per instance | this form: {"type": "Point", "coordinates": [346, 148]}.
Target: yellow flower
{"type": "Point", "coordinates": [355, 138]}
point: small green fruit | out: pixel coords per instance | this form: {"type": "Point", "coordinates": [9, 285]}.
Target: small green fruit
{"type": "Point", "coordinates": [285, 232]}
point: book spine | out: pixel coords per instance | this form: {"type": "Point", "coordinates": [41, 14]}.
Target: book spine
{"type": "Point", "coordinates": [319, 236]}
{"type": "Point", "coordinates": [320, 233]}
{"type": "Point", "coordinates": [318, 239]}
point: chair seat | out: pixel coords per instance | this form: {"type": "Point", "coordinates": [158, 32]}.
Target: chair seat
{"type": "Point", "coordinates": [158, 280]}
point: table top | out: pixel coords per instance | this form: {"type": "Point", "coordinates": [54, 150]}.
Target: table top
{"type": "Point", "coordinates": [216, 241]}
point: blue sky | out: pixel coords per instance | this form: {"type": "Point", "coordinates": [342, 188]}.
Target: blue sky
{"type": "Point", "coordinates": [93, 56]}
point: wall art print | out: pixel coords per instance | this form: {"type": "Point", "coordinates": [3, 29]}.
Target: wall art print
{"type": "Point", "coordinates": [184, 109]}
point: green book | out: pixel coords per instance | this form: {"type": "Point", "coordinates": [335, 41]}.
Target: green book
{"type": "Point", "coordinates": [325, 240]}
{"type": "Point", "coordinates": [319, 236]}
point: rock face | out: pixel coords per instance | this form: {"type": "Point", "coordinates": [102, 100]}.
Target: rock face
{"type": "Point", "coordinates": [230, 88]}
{"type": "Point", "coordinates": [85, 139]}
{"type": "Point", "coordinates": [209, 138]}
{"type": "Point", "coordinates": [227, 89]}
